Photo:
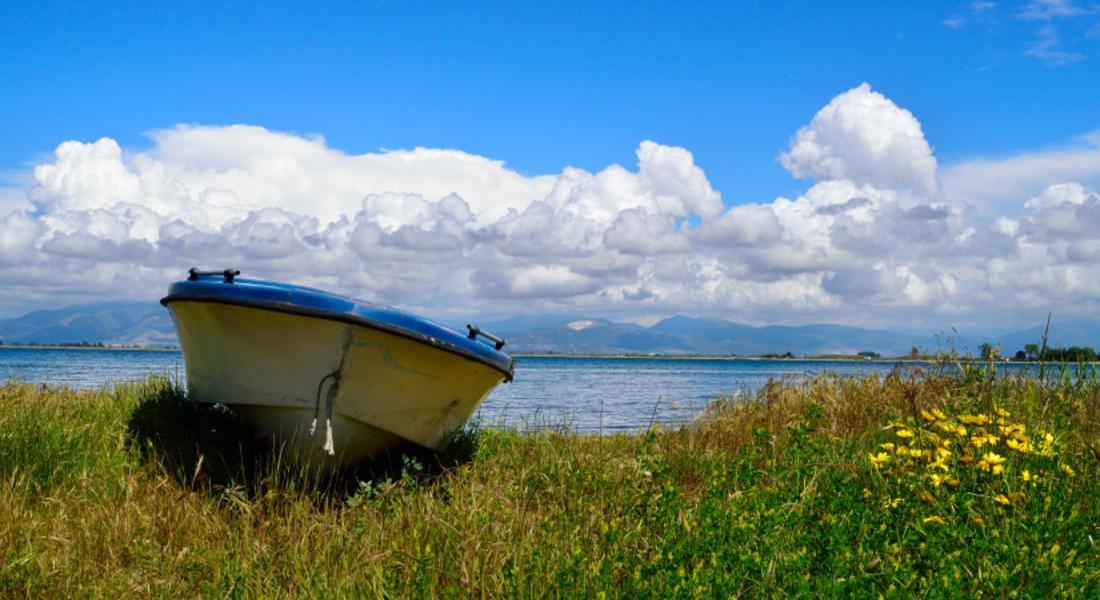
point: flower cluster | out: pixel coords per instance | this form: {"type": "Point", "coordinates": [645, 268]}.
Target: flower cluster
{"type": "Point", "coordinates": [990, 453]}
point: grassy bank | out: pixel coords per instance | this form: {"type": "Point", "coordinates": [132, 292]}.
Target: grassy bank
{"type": "Point", "coordinates": [933, 485]}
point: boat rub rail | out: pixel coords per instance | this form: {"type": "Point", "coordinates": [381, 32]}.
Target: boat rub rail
{"type": "Point", "coordinates": [490, 357]}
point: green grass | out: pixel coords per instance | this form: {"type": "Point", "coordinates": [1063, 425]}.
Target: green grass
{"type": "Point", "coordinates": [136, 491]}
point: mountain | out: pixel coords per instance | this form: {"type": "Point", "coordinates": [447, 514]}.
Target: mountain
{"type": "Point", "coordinates": [688, 335]}
{"type": "Point", "coordinates": [142, 323]}
{"type": "Point", "coordinates": [1062, 334]}
{"type": "Point", "coordinates": [150, 324]}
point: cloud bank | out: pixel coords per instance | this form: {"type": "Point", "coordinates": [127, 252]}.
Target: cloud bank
{"type": "Point", "coordinates": [882, 235]}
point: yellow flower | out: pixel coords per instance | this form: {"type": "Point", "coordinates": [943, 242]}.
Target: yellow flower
{"type": "Point", "coordinates": [905, 433]}
{"type": "Point", "coordinates": [1046, 448]}
{"type": "Point", "coordinates": [950, 427]}
{"type": "Point", "coordinates": [943, 453]}
{"type": "Point", "coordinates": [1018, 445]}
{"type": "Point", "coordinates": [1016, 431]}
{"type": "Point", "coordinates": [974, 419]}
{"type": "Point", "coordinates": [937, 479]}
{"type": "Point", "coordinates": [939, 413]}
{"type": "Point", "coordinates": [939, 464]}
{"type": "Point", "coordinates": [887, 446]}
{"type": "Point", "coordinates": [935, 519]}
{"type": "Point", "coordinates": [878, 459]}
{"type": "Point", "coordinates": [1068, 470]}
{"type": "Point", "coordinates": [1025, 475]}
{"type": "Point", "coordinates": [1004, 413]}
{"type": "Point", "coordinates": [927, 416]}
{"type": "Point", "coordinates": [888, 503]}
{"type": "Point", "coordinates": [1002, 499]}
{"type": "Point", "coordinates": [982, 438]}
{"type": "Point", "coordinates": [991, 461]}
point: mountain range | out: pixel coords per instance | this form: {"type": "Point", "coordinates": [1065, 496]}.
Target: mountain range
{"type": "Point", "coordinates": [147, 324]}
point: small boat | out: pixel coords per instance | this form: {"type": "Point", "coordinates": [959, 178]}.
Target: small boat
{"type": "Point", "coordinates": [338, 379]}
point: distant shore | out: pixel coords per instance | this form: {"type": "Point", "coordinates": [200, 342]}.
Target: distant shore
{"type": "Point", "coordinates": [589, 355]}
{"type": "Point", "coordinates": [80, 347]}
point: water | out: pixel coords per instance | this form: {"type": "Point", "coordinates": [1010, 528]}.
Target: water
{"type": "Point", "coordinates": [589, 394]}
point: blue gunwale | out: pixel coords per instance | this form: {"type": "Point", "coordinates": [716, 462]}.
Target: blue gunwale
{"type": "Point", "coordinates": [299, 300]}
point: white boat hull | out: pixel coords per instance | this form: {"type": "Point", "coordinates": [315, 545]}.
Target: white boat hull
{"type": "Point", "coordinates": [277, 370]}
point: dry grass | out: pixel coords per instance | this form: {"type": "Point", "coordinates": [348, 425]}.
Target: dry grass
{"type": "Point", "coordinates": [135, 491]}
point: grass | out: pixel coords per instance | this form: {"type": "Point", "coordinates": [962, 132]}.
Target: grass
{"type": "Point", "coordinates": [838, 487]}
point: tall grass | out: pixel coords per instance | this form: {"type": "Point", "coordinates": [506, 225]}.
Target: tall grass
{"type": "Point", "coordinates": [796, 490]}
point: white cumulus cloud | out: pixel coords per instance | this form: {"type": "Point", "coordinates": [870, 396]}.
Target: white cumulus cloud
{"type": "Point", "coordinates": [882, 234]}
{"type": "Point", "coordinates": [862, 136]}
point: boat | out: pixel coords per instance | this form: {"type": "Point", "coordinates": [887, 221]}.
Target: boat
{"type": "Point", "coordinates": [336, 379]}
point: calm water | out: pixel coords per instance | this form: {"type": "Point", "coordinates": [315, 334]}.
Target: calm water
{"type": "Point", "coordinates": [587, 393]}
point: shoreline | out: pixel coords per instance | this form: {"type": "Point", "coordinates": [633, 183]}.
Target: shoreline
{"type": "Point", "coordinates": [590, 356]}
{"type": "Point", "coordinates": [115, 348]}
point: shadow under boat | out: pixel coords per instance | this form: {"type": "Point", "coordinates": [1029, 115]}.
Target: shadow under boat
{"type": "Point", "coordinates": [207, 448]}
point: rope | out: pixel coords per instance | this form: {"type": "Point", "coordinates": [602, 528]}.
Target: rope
{"type": "Point", "coordinates": [329, 446]}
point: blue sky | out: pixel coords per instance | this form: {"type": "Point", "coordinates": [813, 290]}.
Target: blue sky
{"type": "Point", "coordinates": [890, 163]}
{"type": "Point", "coordinates": [542, 85]}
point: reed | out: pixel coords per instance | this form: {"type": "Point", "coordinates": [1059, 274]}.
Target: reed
{"type": "Point", "coordinates": [800, 489]}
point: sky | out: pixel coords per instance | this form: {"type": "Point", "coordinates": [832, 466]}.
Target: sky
{"type": "Point", "coordinates": [888, 164]}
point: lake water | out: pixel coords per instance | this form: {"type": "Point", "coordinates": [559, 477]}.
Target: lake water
{"type": "Point", "coordinates": [590, 394]}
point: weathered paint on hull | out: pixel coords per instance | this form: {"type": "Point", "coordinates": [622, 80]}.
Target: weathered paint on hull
{"type": "Point", "coordinates": [268, 366]}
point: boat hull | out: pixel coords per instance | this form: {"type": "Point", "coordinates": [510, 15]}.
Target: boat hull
{"type": "Point", "coordinates": [277, 370]}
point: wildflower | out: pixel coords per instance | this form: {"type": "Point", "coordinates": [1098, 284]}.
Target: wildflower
{"type": "Point", "coordinates": [981, 438]}
{"type": "Point", "coordinates": [1016, 430]}
{"type": "Point", "coordinates": [916, 452]}
{"type": "Point", "coordinates": [935, 519]}
{"type": "Point", "coordinates": [937, 479]}
{"type": "Point", "coordinates": [1002, 500]}
{"type": "Point", "coordinates": [940, 464]}
{"type": "Point", "coordinates": [891, 503]}
{"type": "Point", "coordinates": [887, 446]}
{"type": "Point", "coordinates": [1068, 470]}
{"type": "Point", "coordinates": [954, 428]}
{"type": "Point", "coordinates": [991, 461]}
{"type": "Point", "coordinates": [927, 416]}
{"type": "Point", "coordinates": [943, 453]}
{"type": "Point", "coordinates": [1046, 448]}
{"type": "Point", "coordinates": [1025, 475]}
{"type": "Point", "coordinates": [974, 419]}
{"type": "Point", "coordinates": [939, 414]}
{"type": "Point", "coordinates": [878, 459]}
{"type": "Point", "coordinates": [1018, 445]}
{"type": "Point", "coordinates": [905, 433]}
{"type": "Point", "coordinates": [1004, 413]}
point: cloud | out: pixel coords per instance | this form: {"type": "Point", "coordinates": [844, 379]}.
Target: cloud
{"type": "Point", "coordinates": [882, 231]}
{"type": "Point", "coordinates": [1048, 48]}
{"type": "Point", "coordinates": [998, 185]}
{"type": "Point", "coordinates": [1046, 10]}
{"type": "Point", "coordinates": [862, 136]}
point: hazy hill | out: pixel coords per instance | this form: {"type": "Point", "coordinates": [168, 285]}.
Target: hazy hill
{"type": "Point", "coordinates": [142, 323]}
{"type": "Point", "coordinates": [1062, 334]}
{"type": "Point", "coordinates": [681, 335]}
{"type": "Point", "coordinates": [150, 324]}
